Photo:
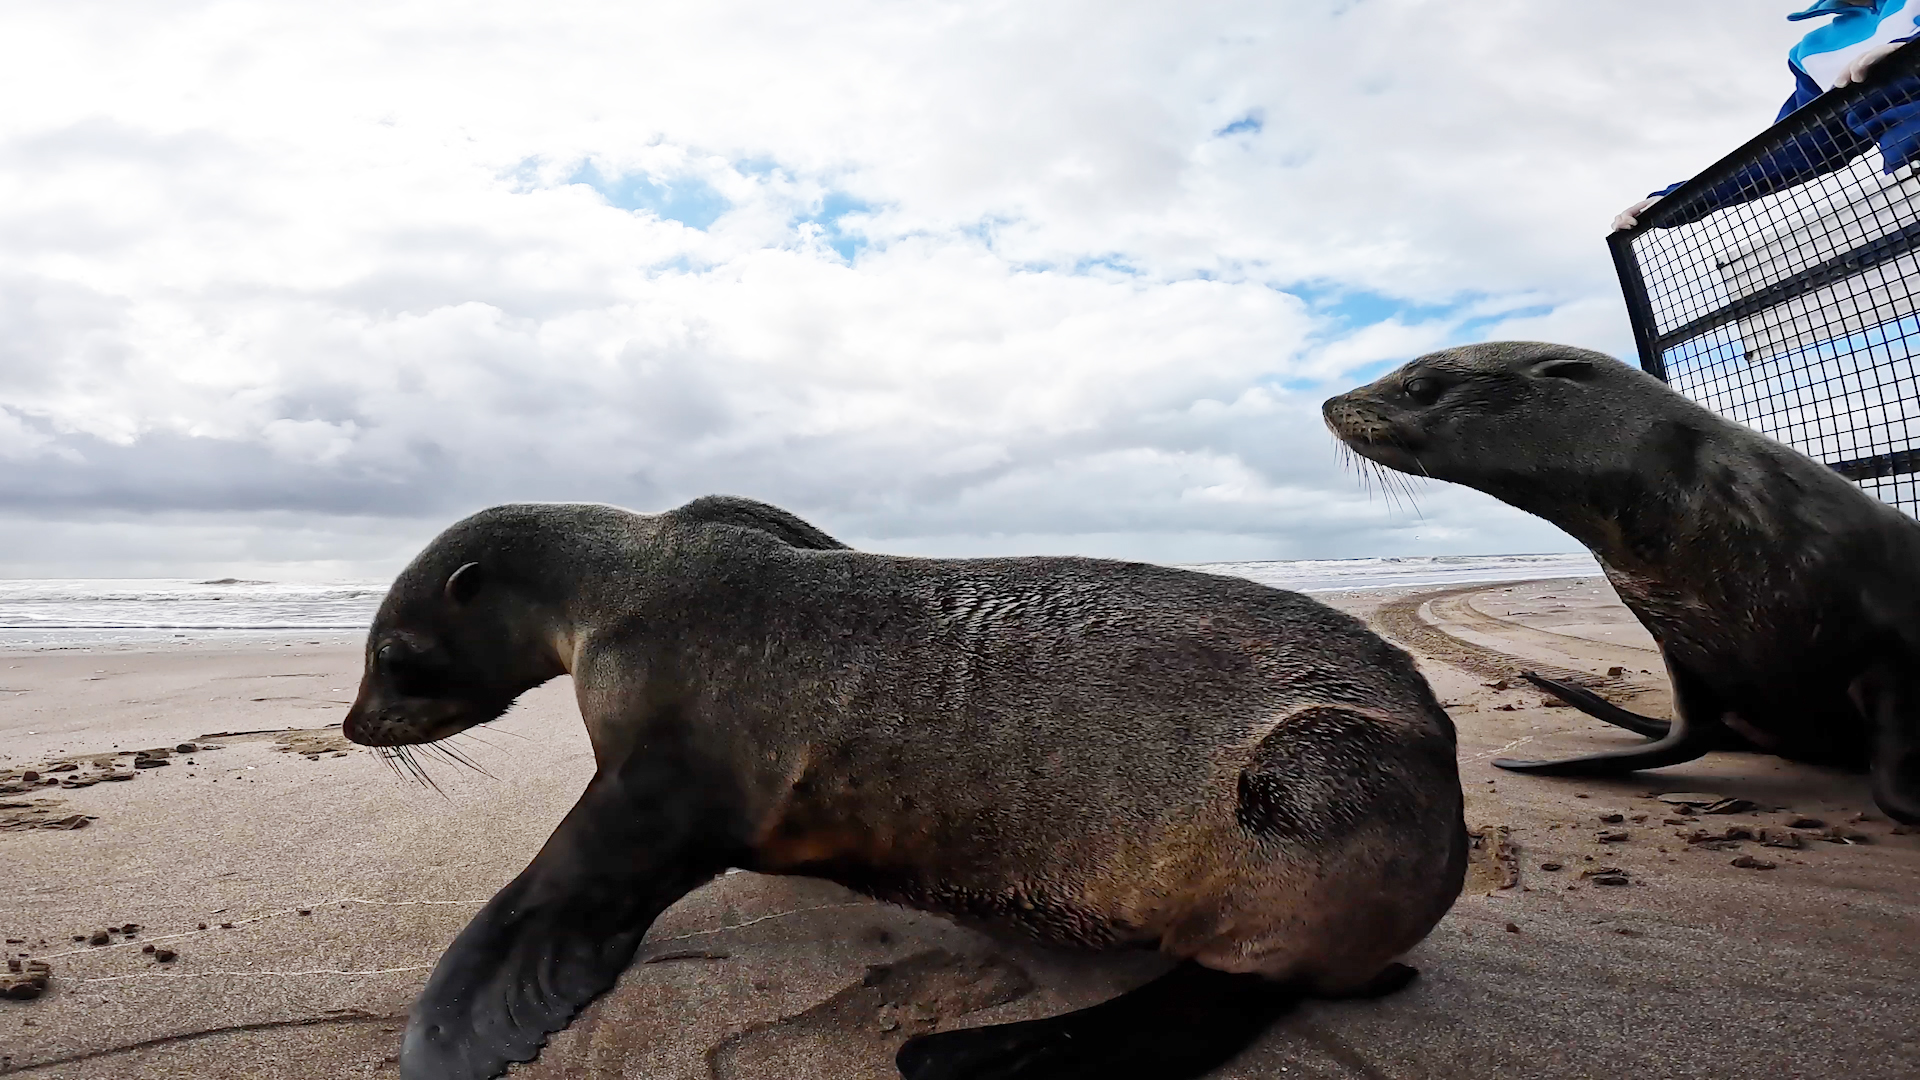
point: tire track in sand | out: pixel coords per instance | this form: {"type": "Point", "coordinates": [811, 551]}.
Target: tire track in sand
{"type": "Point", "coordinates": [1400, 620]}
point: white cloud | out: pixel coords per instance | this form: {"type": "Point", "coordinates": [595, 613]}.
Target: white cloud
{"type": "Point", "coordinates": [979, 276]}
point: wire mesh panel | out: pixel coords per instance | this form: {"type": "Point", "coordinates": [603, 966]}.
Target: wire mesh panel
{"type": "Point", "coordinates": [1781, 287]}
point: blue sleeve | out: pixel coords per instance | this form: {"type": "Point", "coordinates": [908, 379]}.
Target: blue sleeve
{"type": "Point", "coordinates": [1815, 153]}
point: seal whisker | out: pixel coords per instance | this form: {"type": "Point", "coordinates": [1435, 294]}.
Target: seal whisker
{"type": "Point", "coordinates": [408, 766]}
{"type": "Point", "coordinates": [420, 770]}
{"type": "Point", "coordinates": [456, 756]}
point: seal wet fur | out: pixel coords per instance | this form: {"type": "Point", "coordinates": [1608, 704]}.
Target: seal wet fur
{"type": "Point", "coordinates": [1095, 753]}
{"type": "Point", "coordinates": [1785, 601]}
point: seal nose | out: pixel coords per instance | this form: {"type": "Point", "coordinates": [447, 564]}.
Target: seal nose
{"type": "Point", "coordinates": [354, 725]}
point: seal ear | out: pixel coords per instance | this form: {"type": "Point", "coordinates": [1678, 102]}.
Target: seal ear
{"type": "Point", "coordinates": [463, 584]}
{"type": "Point", "coordinates": [1571, 368]}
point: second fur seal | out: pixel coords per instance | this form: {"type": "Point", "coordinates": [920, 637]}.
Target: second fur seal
{"type": "Point", "coordinates": [1095, 753]}
{"type": "Point", "coordinates": [1785, 601]}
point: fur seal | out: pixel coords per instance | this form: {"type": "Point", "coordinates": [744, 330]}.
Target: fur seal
{"type": "Point", "coordinates": [1095, 753]}
{"type": "Point", "coordinates": [1785, 601]}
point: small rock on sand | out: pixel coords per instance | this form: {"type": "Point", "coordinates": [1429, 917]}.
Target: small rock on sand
{"type": "Point", "coordinates": [1689, 798]}
{"type": "Point", "coordinates": [1720, 841]}
{"type": "Point", "coordinates": [24, 982]}
{"type": "Point", "coordinates": [1612, 819]}
{"type": "Point", "coordinates": [1748, 862]}
{"type": "Point", "coordinates": [99, 938]}
{"type": "Point", "coordinates": [1806, 823]}
{"type": "Point", "coordinates": [165, 956]}
{"type": "Point", "coordinates": [1618, 836]}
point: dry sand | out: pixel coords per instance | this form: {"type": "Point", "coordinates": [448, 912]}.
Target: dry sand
{"type": "Point", "coordinates": [328, 887]}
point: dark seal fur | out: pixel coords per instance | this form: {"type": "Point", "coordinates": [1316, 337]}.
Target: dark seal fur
{"type": "Point", "coordinates": [1096, 753]}
{"type": "Point", "coordinates": [1786, 602]}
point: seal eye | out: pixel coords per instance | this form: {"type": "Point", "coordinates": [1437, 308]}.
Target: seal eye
{"type": "Point", "coordinates": [408, 672]}
{"type": "Point", "coordinates": [390, 657]}
{"type": "Point", "coordinates": [1422, 390]}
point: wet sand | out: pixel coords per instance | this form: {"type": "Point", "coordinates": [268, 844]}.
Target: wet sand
{"type": "Point", "coordinates": [328, 886]}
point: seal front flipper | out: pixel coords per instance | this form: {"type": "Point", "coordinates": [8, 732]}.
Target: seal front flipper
{"type": "Point", "coordinates": [1600, 708]}
{"type": "Point", "coordinates": [560, 934]}
{"type": "Point", "coordinates": [1182, 1025]}
{"type": "Point", "coordinates": [1888, 696]}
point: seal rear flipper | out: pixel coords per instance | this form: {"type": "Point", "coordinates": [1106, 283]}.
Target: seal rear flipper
{"type": "Point", "coordinates": [1696, 730]}
{"type": "Point", "coordinates": [1600, 708]}
{"type": "Point", "coordinates": [1889, 698]}
{"type": "Point", "coordinates": [1685, 742]}
{"type": "Point", "coordinates": [560, 934]}
{"type": "Point", "coordinates": [1182, 1025]}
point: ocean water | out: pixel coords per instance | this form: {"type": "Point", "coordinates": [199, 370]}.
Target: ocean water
{"type": "Point", "coordinates": [90, 611]}
{"type": "Point", "coordinates": [1334, 575]}
{"type": "Point", "coordinates": [105, 611]}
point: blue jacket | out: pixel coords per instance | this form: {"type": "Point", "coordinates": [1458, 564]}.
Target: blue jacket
{"type": "Point", "coordinates": [1888, 117]}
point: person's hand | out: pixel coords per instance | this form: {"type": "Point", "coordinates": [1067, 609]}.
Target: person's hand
{"type": "Point", "coordinates": [1857, 70]}
{"type": "Point", "coordinates": [1628, 218]}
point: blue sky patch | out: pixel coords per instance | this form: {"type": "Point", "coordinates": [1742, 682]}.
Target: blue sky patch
{"type": "Point", "coordinates": [835, 207]}
{"type": "Point", "coordinates": [1250, 124]}
{"type": "Point", "coordinates": [688, 200]}
{"type": "Point", "coordinates": [1354, 308]}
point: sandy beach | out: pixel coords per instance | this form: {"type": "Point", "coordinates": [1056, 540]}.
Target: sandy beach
{"type": "Point", "coordinates": [302, 890]}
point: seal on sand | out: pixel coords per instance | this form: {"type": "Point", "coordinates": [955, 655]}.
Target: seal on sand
{"type": "Point", "coordinates": [1785, 601]}
{"type": "Point", "coordinates": [1096, 753]}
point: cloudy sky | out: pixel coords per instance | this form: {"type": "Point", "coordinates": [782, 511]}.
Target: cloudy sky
{"type": "Point", "coordinates": [285, 287]}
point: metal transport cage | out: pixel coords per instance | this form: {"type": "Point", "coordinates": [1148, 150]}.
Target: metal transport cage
{"type": "Point", "coordinates": [1781, 287]}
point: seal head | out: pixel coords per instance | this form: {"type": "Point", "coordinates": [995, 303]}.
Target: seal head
{"type": "Point", "coordinates": [453, 644]}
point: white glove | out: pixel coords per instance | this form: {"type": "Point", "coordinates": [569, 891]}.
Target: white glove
{"type": "Point", "coordinates": [1628, 218]}
{"type": "Point", "coordinates": [1857, 70]}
